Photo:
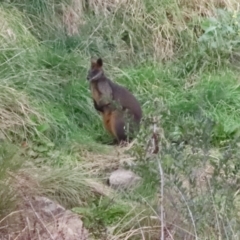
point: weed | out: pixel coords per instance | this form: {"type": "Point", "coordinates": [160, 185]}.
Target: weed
{"type": "Point", "coordinates": [221, 37]}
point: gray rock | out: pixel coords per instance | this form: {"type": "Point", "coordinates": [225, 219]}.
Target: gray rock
{"type": "Point", "coordinates": [48, 220]}
{"type": "Point", "coordinates": [123, 179]}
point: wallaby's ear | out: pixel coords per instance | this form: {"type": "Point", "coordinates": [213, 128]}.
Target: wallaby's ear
{"type": "Point", "coordinates": [99, 62]}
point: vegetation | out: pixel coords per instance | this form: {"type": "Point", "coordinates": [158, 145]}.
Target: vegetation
{"type": "Point", "coordinates": [181, 60]}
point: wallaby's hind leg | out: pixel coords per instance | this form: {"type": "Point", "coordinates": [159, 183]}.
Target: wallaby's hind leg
{"type": "Point", "coordinates": [107, 121]}
{"type": "Point", "coordinates": [117, 125]}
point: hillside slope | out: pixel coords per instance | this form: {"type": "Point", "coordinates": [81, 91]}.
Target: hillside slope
{"type": "Point", "coordinates": [179, 58]}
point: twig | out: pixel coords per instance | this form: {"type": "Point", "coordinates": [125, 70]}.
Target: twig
{"type": "Point", "coordinates": [190, 213]}
{"type": "Point", "coordinates": [12, 213]}
{"type": "Point", "coordinates": [161, 193]}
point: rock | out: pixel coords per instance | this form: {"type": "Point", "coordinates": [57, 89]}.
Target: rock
{"type": "Point", "coordinates": [48, 220]}
{"type": "Point", "coordinates": [123, 179]}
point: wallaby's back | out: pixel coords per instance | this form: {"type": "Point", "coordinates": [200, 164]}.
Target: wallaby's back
{"type": "Point", "coordinates": [126, 100]}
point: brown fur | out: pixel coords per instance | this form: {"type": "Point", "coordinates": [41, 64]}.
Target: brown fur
{"type": "Point", "coordinates": [107, 121]}
{"type": "Point", "coordinates": [110, 121]}
{"type": "Point", "coordinates": [113, 101]}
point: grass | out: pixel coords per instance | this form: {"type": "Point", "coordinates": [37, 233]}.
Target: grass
{"type": "Point", "coordinates": [179, 58]}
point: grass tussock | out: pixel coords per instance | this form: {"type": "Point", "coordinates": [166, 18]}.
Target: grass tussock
{"type": "Point", "coordinates": [18, 118]}
{"type": "Point", "coordinates": [22, 192]}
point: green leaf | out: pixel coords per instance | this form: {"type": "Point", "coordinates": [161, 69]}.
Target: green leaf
{"type": "Point", "coordinates": [213, 21]}
{"type": "Point", "coordinates": [214, 44]}
{"type": "Point", "coordinates": [204, 38]}
{"type": "Point", "coordinates": [205, 24]}
{"type": "Point", "coordinates": [41, 148]}
{"type": "Point", "coordinates": [210, 29]}
{"type": "Point", "coordinates": [50, 144]}
{"type": "Point", "coordinates": [43, 127]}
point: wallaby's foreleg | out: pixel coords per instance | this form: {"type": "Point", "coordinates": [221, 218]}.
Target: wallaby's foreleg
{"type": "Point", "coordinates": [98, 107]}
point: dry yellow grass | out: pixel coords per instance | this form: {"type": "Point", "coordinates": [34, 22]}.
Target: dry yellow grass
{"type": "Point", "coordinates": [16, 112]}
{"type": "Point", "coordinates": [174, 19]}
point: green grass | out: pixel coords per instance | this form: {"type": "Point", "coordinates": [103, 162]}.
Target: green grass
{"type": "Point", "coordinates": [177, 61]}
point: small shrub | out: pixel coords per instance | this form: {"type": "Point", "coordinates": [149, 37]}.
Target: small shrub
{"type": "Point", "coordinates": [221, 36]}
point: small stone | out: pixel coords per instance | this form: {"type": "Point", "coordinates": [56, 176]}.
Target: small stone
{"type": "Point", "coordinates": [123, 179]}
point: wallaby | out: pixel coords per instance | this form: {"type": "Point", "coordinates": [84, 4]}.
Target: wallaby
{"type": "Point", "coordinates": [114, 102]}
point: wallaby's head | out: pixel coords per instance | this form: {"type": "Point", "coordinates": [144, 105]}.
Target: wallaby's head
{"type": "Point", "coordinates": [96, 71]}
